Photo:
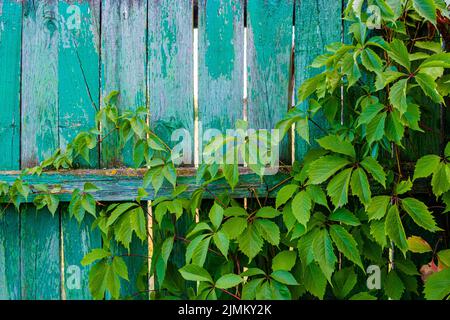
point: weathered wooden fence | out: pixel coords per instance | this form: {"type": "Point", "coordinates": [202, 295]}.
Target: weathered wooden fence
{"type": "Point", "coordinates": [58, 59]}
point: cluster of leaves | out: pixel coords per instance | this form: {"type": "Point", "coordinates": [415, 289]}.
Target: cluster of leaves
{"type": "Point", "coordinates": [346, 205]}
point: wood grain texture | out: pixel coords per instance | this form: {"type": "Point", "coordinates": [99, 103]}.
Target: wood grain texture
{"type": "Point", "coordinates": [317, 24]}
{"type": "Point", "coordinates": [40, 260]}
{"type": "Point", "coordinates": [221, 63]}
{"type": "Point", "coordinates": [122, 185]}
{"type": "Point", "coordinates": [123, 55]}
{"type": "Point", "coordinates": [269, 43]}
{"type": "Point", "coordinates": [78, 240]}
{"type": "Point", "coordinates": [78, 83]}
{"type": "Point", "coordinates": [170, 61]}
{"type": "Point", "coordinates": [10, 47]}
{"type": "Point", "coordinates": [40, 245]}
{"type": "Point", "coordinates": [39, 81]}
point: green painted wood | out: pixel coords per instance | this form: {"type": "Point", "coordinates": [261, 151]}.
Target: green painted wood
{"type": "Point", "coordinates": [40, 238]}
{"type": "Point", "coordinates": [221, 62]}
{"type": "Point", "coordinates": [170, 77]}
{"type": "Point", "coordinates": [40, 259]}
{"type": "Point", "coordinates": [122, 185]}
{"type": "Point", "coordinates": [269, 43]}
{"type": "Point", "coordinates": [9, 255]}
{"type": "Point", "coordinates": [317, 24]}
{"type": "Point", "coordinates": [123, 56]}
{"type": "Point", "coordinates": [10, 46]}
{"type": "Point", "coordinates": [124, 59]}
{"type": "Point", "coordinates": [78, 240]}
{"type": "Point", "coordinates": [78, 80]}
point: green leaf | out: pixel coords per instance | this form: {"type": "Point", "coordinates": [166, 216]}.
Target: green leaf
{"type": "Point", "coordinates": [118, 211]}
{"type": "Point", "coordinates": [427, 9]}
{"type": "Point", "coordinates": [418, 211]}
{"type": "Point", "coordinates": [371, 60]}
{"type": "Point", "coordinates": [284, 260]}
{"type": "Point", "coordinates": [394, 129]}
{"type": "Point", "coordinates": [120, 268]}
{"type": "Point", "coordinates": [231, 173]}
{"type": "Point", "coordinates": [378, 232]}
{"type": "Point", "coordinates": [88, 203]}
{"type": "Point", "coordinates": [344, 281]}
{"type": "Point", "coordinates": [394, 229]}
{"type": "Point", "coordinates": [250, 242]}
{"type": "Point", "coordinates": [337, 188]}
{"type": "Point", "coordinates": [444, 257]}
{"type": "Point", "coordinates": [369, 112]}
{"type": "Point", "coordinates": [360, 186]}
{"type": "Point", "coordinates": [377, 207]}
{"type": "Point", "coordinates": [324, 253]}
{"type": "Point", "coordinates": [98, 278]}
{"type": "Point", "coordinates": [429, 87]}
{"type": "Point", "coordinates": [344, 216]}
{"type": "Point", "coordinates": [268, 230]}
{"type": "Point", "coordinates": [200, 253]}
{"type": "Point", "coordinates": [90, 187]}
{"type": "Point", "coordinates": [375, 128]}
{"type": "Point", "coordinates": [393, 286]}
{"type": "Point", "coordinates": [301, 207]}
{"type": "Point", "coordinates": [267, 212]}
{"type": "Point", "coordinates": [440, 182]}
{"type": "Point", "coordinates": [375, 169]}
{"type": "Point", "coordinates": [193, 272]}
{"type": "Point", "coordinates": [222, 242]}
{"type": "Point", "coordinates": [138, 223]}
{"type": "Point", "coordinates": [94, 255]}
{"type": "Point", "coordinates": [285, 194]}
{"type": "Point", "coordinates": [234, 226]}
{"type": "Point", "coordinates": [403, 186]}
{"type": "Point", "coordinates": [336, 144]}
{"type": "Point", "coordinates": [314, 280]}
{"type": "Point", "coordinates": [418, 245]}
{"type": "Point", "coordinates": [397, 96]}
{"type": "Point", "coordinates": [425, 166]}
{"type": "Point", "coordinates": [346, 244]}
{"type": "Point", "coordinates": [399, 52]}
{"type": "Point", "coordinates": [284, 277]}
{"type": "Point", "coordinates": [437, 286]}
{"type": "Point", "coordinates": [317, 195]}
{"type": "Point", "coordinates": [216, 215]}
{"type": "Point", "coordinates": [228, 281]}
{"type": "Point", "coordinates": [235, 212]}
{"type": "Point", "coordinates": [323, 168]}
{"type": "Point", "coordinates": [363, 296]}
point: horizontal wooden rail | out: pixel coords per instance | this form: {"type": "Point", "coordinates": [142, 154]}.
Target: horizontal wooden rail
{"type": "Point", "coordinates": [122, 184]}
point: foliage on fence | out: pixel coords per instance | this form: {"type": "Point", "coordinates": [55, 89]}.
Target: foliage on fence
{"type": "Point", "coordinates": [346, 205]}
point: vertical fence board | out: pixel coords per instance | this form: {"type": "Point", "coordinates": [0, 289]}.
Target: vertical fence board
{"type": "Point", "coordinates": [221, 62]}
{"type": "Point", "coordinates": [317, 24]}
{"type": "Point", "coordinates": [269, 44]}
{"type": "Point", "coordinates": [10, 46]}
{"type": "Point", "coordinates": [123, 54]}
{"type": "Point", "coordinates": [40, 245]}
{"type": "Point", "coordinates": [78, 99]}
{"type": "Point", "coordinates": [171, 79]}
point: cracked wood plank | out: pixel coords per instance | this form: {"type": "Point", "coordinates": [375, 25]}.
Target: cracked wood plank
{"type": "Point", "coordinates": [40, 237]}
{"type": "Point", "coordinates": [122, 185]}
{"type": "Point", "coordinates": [78, 80]}
{"type": "Point", "coordinates": [269, 44]}
{"type": "Point", "coordinates": [317, 24]}
{"type": "Point", "coordinates": [170, 74]}
{"type": "Point", "coordinates": [123, 55]}
{"type": "Point", "coordinates": [221, 63]}
{"type": "Point", "coordinates": [10, 46]}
